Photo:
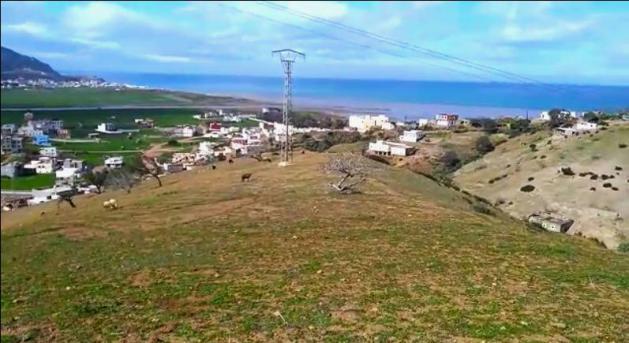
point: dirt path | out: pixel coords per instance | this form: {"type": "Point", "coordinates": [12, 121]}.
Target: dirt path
{"type": "Point", "coordinates": [157, 149]}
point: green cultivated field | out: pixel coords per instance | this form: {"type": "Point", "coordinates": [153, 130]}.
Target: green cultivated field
{"type": "Point", "coordinates": [82, 122]}
{"type": "Point", "coordinates": [74, 97]}
{"type": "Point", "coordinates": [29, 182]}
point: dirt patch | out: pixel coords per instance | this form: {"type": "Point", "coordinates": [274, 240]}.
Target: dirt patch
{"type": "Point", "coordinates": [347, 313]}
{"type": "Point", "coordinates": [43, 333]}
{"type": "Point", "coordinates": [156, 336]}
{"type": "Point", "coordinates": [81, 233]}
{"type": "Point", "coordinates": [141, 279]}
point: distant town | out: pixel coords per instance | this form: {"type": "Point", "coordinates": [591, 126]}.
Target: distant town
{"type": "Point", "coordinates": [20, 83]}
{"type": "Point", "coordinates": [44, 146]}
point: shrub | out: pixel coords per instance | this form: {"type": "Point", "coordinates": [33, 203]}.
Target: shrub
{"type": "Point", "coordinates": [593, 189]}
{"type": "Point", "coordinates": [173, 142]}
{"type": "Point", "coordinates": [527, 188]}
{"type": "Point", "coordinates": [533, 147]}
{"type": "Point", "coordinates": [483, 145]}
{"type": "Point", "coordinates": [482, 208]}
{"type": "Point", "coordinates": [450, 161]}
{"type": "Point", "coordinates": [623, 247]}
{"type": "Point", "coordinates": [615, 188]}
{"type": "Point", "coordinates": [542, 157]}
{"type": "Point", "coordinates": [618, 168]}
{"type": "Point", "coordinates": [607, 185]}
{"type": "Point", "coordinates": [567, 171]}
{"type": "Point", "coordinates": [622, 145]}
{"type": "Point", "coordinates": [531, 178]}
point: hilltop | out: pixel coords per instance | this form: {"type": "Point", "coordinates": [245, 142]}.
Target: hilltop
{"type": "Point", "coordinates": [593, 189]}
{"type": "Point", "coordinates": [15, 65]}
{"type": "Point", "coordinates": [207, 257]}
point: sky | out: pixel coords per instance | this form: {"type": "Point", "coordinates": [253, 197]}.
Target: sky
{"type": "Point", "coordinates": [555, 42]}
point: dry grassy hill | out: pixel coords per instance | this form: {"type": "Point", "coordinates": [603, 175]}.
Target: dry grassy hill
{"type": "Point", "coordinates": [208, 258]}
{"type": "Point", "coordinates": [600, 211]}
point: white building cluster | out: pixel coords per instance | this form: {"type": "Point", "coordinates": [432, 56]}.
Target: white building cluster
{"type": "Point", "coordinates": [364, 123]}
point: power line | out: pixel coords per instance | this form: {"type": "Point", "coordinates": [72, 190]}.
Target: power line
{"type": "Point", "coordinates": [478, 76]}
{"type": "Point", "coordinates": [408, 46]}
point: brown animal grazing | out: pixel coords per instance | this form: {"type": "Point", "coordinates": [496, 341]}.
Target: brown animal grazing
{"type": "Point", "coordinates": [213, 167]}
{"type": "Point", "coordinates": [303, 152]}
{"type": "Point", "coordinates": [245, 177]}
{"type": "Point", "coordinates": [230, 161]}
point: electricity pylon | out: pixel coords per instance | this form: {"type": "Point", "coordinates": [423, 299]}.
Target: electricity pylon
{"type": "Point", "coordinates": [287, 57]}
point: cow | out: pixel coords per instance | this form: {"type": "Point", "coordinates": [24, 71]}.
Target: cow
{"type": "Point", "coordinates": [245, 177]}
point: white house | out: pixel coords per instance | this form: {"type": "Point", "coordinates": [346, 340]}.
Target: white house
{"type": "Point", "coordinates": [206, 148]}
{"type": "Point", "coordinates": [49, 151]}
{"type": "Point", "coordinates": [412, 136]}
{"type": "Point", "coordinates": [381, 147]}
{"type": "Point", "coordinates": [446, 120]}
{"type": "Point", "coordinates": [423, 122]}
{"type": "Point", "coordinates": [545, 115]}
{"type": "Point", "coordinates": [107, 128]}
{"type": "Point", "coordinates": [586, 126]}
{"type": "Point", "coordinates": [67, 176]}
{"type": "Point", "coordinates": [45, 195]}
{"type": "Point", "coordinates": [114, 162]}
{"type": "Point", "coordinates": [363, 123]}
{"type": "Point", "coordinates": [44, 165]}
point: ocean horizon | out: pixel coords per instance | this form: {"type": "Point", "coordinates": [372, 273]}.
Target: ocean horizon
{"type": "Point", "coordinates": [399, 98]}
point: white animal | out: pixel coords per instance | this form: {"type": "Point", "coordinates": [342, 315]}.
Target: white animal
{"type": "Point", "coordinates": [111, 204]}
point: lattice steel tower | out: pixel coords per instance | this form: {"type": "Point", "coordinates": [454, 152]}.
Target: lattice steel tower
{"type": "Point", "coordinates": [287, 57]}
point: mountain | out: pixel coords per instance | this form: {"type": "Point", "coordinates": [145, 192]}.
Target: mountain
{"type": "Point", "coordinates": [16, 65]}
{"type": "Point", "coordinates": [207, 257]}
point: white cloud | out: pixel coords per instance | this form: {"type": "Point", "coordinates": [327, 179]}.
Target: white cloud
{"type": "Point", "coordinates": [167, 58]}
{"type": "Point", "coordinates": [95, 18]}
{"type": "Point", "coordinates": [28, 27]}
{"type": "Point", "coordinates": [559, 29]}
{"type": "Point", "coordinates": [425, 4]}
{"type": "Point", "coordinates": [96, 43]}
{"type": "Point", "coordinates": [322, 9]}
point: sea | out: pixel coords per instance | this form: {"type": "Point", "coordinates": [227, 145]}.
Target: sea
{"type": "Point", "coordinates": [399, 98]}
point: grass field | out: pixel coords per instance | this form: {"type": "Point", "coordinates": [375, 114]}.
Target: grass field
{"type": "Point", "coordinates": [29, 182]}
{"type": "Point", "coordinates": [72, 97]}
{"type": "Point", "coordinates": [209, 258]}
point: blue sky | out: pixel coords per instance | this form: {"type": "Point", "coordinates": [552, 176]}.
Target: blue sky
{"type": "Point", "coordinates": [559, 42]}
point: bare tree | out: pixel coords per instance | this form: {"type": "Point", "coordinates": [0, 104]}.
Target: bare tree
{"type": "Point", "coordinates": [148, 166]}
{"type": "Point", "coordinates": [67, 196]}
{"type": "Point", "coordinates": [351, 169]}
{"type": "Point", "coordinates": [121, 179]}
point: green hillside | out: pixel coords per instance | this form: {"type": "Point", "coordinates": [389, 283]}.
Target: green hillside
{"type": "Point", "coordinates": [207, 257]}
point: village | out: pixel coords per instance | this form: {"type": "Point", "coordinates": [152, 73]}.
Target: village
{"type": "Point", "coordinates": [38, 147]}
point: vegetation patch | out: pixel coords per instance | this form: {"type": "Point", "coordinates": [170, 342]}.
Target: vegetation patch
{"type": "Point", "coordinates": [567, 171]}
{"type": "Point", "coordinates": [527, 188]}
